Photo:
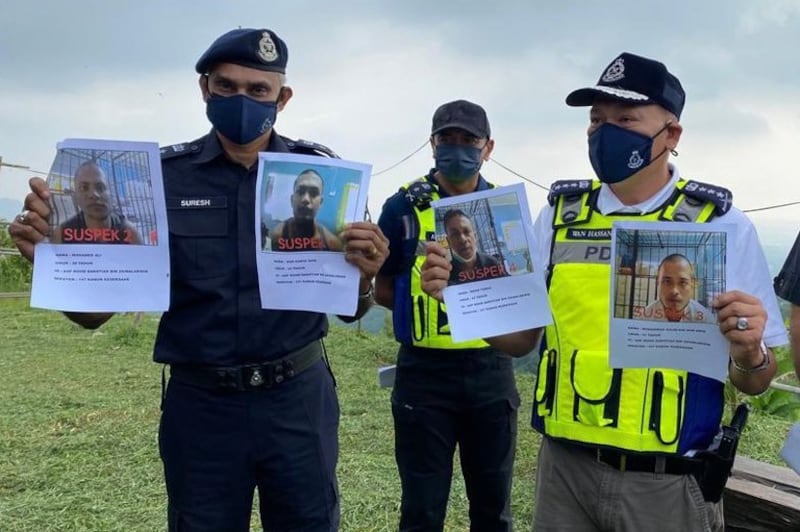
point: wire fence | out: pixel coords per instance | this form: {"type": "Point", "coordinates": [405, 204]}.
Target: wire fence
{"type": "Point", "coordinates": [24, 295]}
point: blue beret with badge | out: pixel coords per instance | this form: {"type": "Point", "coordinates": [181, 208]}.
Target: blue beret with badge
{"type": "Point", "coordinates": [253, 48]}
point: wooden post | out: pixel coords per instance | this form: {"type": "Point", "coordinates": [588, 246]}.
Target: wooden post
{"type": "Point", "coordinates": [761, 497]}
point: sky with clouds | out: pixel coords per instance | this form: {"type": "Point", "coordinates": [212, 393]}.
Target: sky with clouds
{"type": "Point", "coordinates": [367, 76]}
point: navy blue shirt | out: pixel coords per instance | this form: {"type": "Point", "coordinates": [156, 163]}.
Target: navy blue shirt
{"type": "Point", "coordinates": [787, 282]}
{"type": "Point", "coordinates": [215, 315]}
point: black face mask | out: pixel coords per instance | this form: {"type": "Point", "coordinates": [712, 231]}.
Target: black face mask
{"type": "Point", "coordinates": [457, 162]}
{"type": "Point", "coordinates": [239, 118]}
{"type": "Point", "coordinates": [617, 153]}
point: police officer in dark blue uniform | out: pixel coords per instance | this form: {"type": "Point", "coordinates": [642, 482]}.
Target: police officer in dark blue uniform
{"type": "Point", "coordinates": [251, 400]}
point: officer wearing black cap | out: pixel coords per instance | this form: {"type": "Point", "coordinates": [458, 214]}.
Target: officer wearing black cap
{"type": "Point", "coordinates": [251, 400]}
{"type": "Point", "coordinates": [616, 442]}
{"type": "Point", "coordinates": [445, 393]}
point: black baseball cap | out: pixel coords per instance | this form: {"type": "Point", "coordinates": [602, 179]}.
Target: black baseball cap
{"type": "Point", "coordinates": [464, 115]}
{"type": "Point", "coordinates": [254, 48]}
{"type": "Point", "coordinates": [634, 79]}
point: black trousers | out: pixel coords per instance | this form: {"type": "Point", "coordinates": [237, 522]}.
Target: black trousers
{"type": "Point", "coordinates": [218, 446]}
{"type": "Point", "coordinates": [443, 399]}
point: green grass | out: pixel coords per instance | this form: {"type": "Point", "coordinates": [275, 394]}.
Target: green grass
{"type": "Point", "coordinates": [79, 413]}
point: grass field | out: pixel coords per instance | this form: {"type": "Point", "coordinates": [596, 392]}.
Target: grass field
{"type": "Point", "coordinates": [79, 412]}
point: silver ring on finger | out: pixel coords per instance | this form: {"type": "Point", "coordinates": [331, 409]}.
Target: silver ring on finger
{"type": "Point", "coordinates": [23, 216]}
{"type": "Point", "coordinates": [742, 324]}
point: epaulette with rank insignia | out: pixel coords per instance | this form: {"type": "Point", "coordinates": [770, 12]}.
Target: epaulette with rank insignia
{"type": "Point", "coordinates": [721, 197]}
{"type": "Point", "coordinates": [568, 186]}
{"type": "Point", "coordinates": [420, 193]}
{"type": "Point", "coordinates": [184, 148]}
{"type": "Point", "coordinates": [307, 147]}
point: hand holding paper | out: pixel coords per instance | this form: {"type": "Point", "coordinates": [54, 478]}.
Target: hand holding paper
{"type": "Point", "coordinates": [365, 247]}
{"type": "Point", "coordinates": [34, 226]}
{"type": "Point", "coordinates": [742, 319]}
{"type": "Point", "coordinates": [435, 271]}
{"type": "Point", "coordinates": [733, 305]}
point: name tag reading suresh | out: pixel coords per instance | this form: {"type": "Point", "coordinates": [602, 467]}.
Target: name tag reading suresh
{"type": "Point", "coordinates": [215, 202]}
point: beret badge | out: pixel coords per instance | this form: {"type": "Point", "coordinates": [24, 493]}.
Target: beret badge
{"type": "Point", "coordinates": [267, 50]}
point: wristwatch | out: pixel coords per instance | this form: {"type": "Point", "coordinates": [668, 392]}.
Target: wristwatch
{"type": "Point", "coordinates": [755, 369]}
{"type": "Point", "coordinates": [368, 295]}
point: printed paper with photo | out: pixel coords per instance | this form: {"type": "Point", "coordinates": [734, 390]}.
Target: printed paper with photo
{"type": "Point", "coordinates": [303, 203]}
{"type": "Point", "coordinates": [108, 249]}
{"type": "Point", "coordinates": [665, 277]}
{"type": "Point", "coordinates": [493, 287]}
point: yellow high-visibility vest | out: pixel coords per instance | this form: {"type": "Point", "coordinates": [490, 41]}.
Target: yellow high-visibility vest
{"type": "Point", "coordinates": [578, 396]}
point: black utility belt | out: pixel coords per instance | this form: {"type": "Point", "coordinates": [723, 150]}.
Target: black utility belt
{"type": "Point", "coordinates": [251, 376]}
{"type": "Point", "coordinates": [649, 463]}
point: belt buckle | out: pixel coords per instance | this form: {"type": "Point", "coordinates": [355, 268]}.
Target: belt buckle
{"type": "Point", "coordinates": [259, 376]}
{"type": "Point", "coordinates": [256, 379]}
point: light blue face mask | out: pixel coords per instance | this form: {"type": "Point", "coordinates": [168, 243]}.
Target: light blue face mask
{"type": "Point", "coordinates": [239, 118]}
{"type": "Point", "coordinates": [617, 153]}
{"type": "Point", "coordinates": [457, 162]}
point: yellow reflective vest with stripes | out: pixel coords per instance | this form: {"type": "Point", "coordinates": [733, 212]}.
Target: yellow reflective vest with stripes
{"type": "Point", "coordinates": [578, 396]}
{"type": "Point", "coordinates": [428, 320]}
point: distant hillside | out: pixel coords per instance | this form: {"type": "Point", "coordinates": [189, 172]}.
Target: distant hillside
{"type": "Point", "coordinates": [776, 240]}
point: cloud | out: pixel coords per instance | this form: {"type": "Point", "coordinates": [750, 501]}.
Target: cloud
{"type": "Point", "coordinates": [766, 15]}
{"type": "Point", "coordinates": [368, 76]}
{"type": "Point", "coordinates": [754, 157]}
{"type": "Point", "coordinates": [161, 107]}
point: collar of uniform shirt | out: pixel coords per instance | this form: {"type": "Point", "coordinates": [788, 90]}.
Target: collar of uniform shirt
{"type": "Point", "coordinates": [212, 148]}
{"type": "Point", "coordinates": [608, 202]}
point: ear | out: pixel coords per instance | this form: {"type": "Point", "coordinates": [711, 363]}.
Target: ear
{"type": "Point", "coordinates": [285, 95]}
{"type": "Point", "coordinates": [203, 82]}
{"type": "Point", "coordinates": [489, 147]}
{"type": "Point", "coordinates": [433, 147]}
{"type": "Point", "coordinates": [674, 135]}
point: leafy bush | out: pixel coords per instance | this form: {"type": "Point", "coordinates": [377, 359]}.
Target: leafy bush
{"type": "Point", "coordinates": [15, 271]}
{"type": "Point", "coordinates": [780, 403]}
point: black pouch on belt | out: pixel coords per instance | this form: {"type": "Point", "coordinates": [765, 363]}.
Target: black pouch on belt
{"type": "Point", "coordinates": [718, 458]}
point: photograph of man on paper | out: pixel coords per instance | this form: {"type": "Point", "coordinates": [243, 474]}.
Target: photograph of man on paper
{"type": "Point", "coordinates": [304, 207]}
{"type": "Point", "coordinates": [668, 276]}
{"type": "Point", "coordinates": [101, 197]}
{"type": "Point", "coordinates": [485, 239]}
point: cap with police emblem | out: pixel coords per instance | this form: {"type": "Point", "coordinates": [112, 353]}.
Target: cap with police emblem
{"type": "Point", "coordinates": [634, 79]}
{"type": "Point", "coordinates": [260, 49]}
{"type": "Point", "coordinates": [464, 115]}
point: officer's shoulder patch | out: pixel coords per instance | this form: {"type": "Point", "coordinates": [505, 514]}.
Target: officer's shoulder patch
{"type": "Point", "coordinates": [568, 186]}
{"type": "Point", "coordinates": [309, 148]}
{"type": "Point", "coordinates": [420, 193]}
{"type": "Point", "coordinates": [721, 197]}
{"type": "Point", "coordinates": [178, 150]}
